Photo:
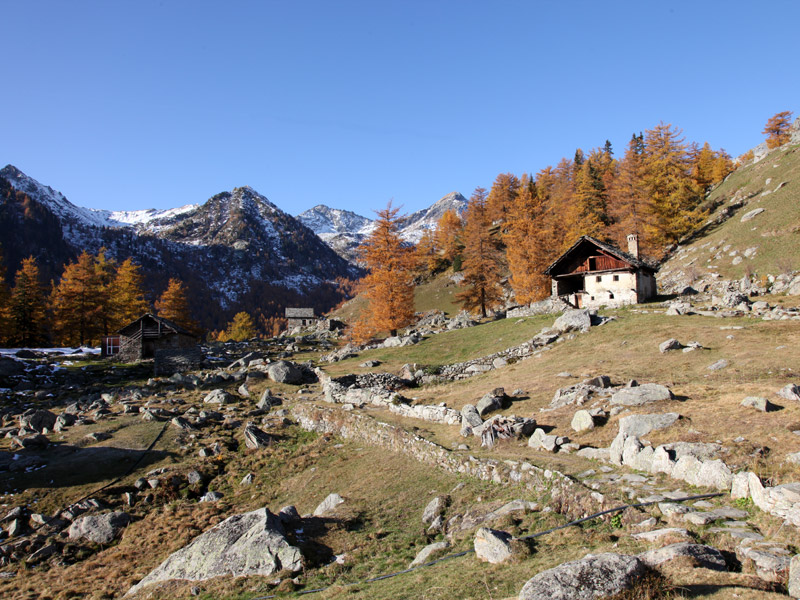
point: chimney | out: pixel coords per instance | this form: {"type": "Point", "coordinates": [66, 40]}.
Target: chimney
{"type": "Point", "coordinates": [633, 245]}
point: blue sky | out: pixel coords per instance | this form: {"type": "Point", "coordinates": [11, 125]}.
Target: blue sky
{"type": "Point", "coordinates": [128, 105]}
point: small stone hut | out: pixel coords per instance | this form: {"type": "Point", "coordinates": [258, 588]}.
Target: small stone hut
{"type": "Point", "coordinates": [593, 273]}
{"type": "Point", "coordinates": [300, 317]}
{"type": "Point", "coordinates": [149, 335]}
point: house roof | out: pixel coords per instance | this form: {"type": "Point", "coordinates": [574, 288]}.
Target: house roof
{"type": "Point", "coordinates": [169, 326]}
{"type": "Point", "coordinates": [301, 313]}
{"type": "Point", "coordinates": [609, 248]}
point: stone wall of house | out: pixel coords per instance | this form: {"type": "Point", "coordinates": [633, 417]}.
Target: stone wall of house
{"type": "Point", "coordinates": [130, 350]}
{"type": "Point", "coordinates": [366, 430]}
{"type": "Point", "coordinates": [610, 289]}
{"type": "Point", "coordinates": [177, 360]}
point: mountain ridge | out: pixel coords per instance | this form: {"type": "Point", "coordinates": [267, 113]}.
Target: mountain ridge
{"type": "Point", "coordinates": [236, 251]}
{"type": "Point", "coordinates": [345, 230]}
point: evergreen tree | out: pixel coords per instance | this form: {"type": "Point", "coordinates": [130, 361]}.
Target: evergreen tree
{"type": "Point", "coordinates": [481, 258]}
{"type": "Point", "coordinates": [28, 314]}
{"type": "Point", "coordinates": [173, 305]}
{"type": "Point", "coordinates": [126, 295]}
{"type": "Point", "coordinates": [777, 129]}
{"type": "Point", "coordinates": [389, 283]}
{"type": "Point", "coordinates": [76, 303]}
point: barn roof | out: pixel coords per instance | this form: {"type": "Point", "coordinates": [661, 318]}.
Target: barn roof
{"type": "Point", "coordinates": [166, 325]}
{"type": "Point", "coordinates": [637, 263]}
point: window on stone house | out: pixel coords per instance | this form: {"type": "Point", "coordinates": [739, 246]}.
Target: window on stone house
{"type": "Point", "coordinates": [610, 295]}
{"type": "Point", "coordinates": [599, 278]}
{"type": "Point", "coordinates": [616, 277]}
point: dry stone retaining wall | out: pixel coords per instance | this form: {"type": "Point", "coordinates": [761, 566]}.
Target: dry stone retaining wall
{"type": "Point", "coordinates": [365, 429]}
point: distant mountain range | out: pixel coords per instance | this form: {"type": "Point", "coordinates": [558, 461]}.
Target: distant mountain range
{"type": "Point", "coordinates": [236, 251]}
{"type": "Point", "coordinates": [343, 230]}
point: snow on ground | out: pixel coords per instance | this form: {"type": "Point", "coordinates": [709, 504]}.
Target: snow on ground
{"type": "Point", "coordinates": [82, 350]}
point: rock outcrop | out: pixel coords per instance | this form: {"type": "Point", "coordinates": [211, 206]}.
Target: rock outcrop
{"type": "Point", "coordinates": [247, 544]}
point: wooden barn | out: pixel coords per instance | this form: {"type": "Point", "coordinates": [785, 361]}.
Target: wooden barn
{"type": "Point", "coordinates": [592, 274]}
{"type": "Point", "coordinates": [148, 334]}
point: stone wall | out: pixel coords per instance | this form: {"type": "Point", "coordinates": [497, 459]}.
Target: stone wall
{"type": "Point", "coordinates": [367, 430]}
{"type": "Point", "coordinates": [177, 360]}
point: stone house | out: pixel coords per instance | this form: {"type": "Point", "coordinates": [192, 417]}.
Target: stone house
{"type": "Point", "coordinates": [300, 317]}
{"type": "Point", "coordinates": [593, 273]}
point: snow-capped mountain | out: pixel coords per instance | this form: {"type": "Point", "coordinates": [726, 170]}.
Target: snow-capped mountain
{"type": "Point", "coordinates": [343, 230]}
{"type": "Point", "coordinates": [236, 251]}
{"type": "Point", "coordinates": [414, 225]}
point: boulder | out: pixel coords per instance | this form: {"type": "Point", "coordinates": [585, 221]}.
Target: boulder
{"type": "Point", "coordinates": [794, 577]}
{"type": "Point", "coordinates": [670, 344]}
{"type": "Point", "coordinates": [284, 372]}
{"type": "Point", "coordinates": [218, 397]}
{"type": "Point", "coordinates": [246, 544]}
{"type": "Point", "coordinates": [327, 505]}
{"type": "Point", "coordinates": [641, 425]}
{"type": "Point", "coordinates": [751, 214]}
{"type": "Point", "coordinates": [758, 403]}
{"type": "Point", "coordinates": [470, 416]}
{"type": "Point", "coordinates": [790, 391]}
{"type": "Point", "coordinates": [434, 508]}
{"type": "Point", "coordinates": [491, 401]}
{"type": "Point", "coordinates": [255, 438]}
{"type": "Point", "coordinates": [718, 365]}
{"type": "Point", "coordinates": [642, 394]}
{"type": "Point", "coordinates": [429, 550]}
{"type": "Point", "coordinates": [100, 529]}
{"type": "Point", "coordinates": [700, 555]}
{"type": "Point", "coordinates": [582, 421]}
{"type": "Point", "coordinates": [492, 545]}
{"type": "Point", "coordinates": [37, 420]}
{"type": "Point", "coordinates": [573, 320]}
{"type": "Point", "coordinates": [592, 577]}
{"type": "Point", "coordinates": [267, 400]}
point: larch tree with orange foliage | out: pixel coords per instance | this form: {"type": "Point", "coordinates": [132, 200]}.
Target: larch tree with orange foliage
{"type": "Point", "coordinates": [389, 283]}
{"type": "Point", "coordinates": [588, 214]}
{"type": "Point", "coordinates": [106, 270]}
{"type": "Point", "coordinates": [777, 129]}
{"type": "Point", "coordinates": [426, 253]}
{"type": "Point", "coordinates": [674, 196]}
{"type": "Point", "coordinates": [126, 295]}
{"type": "Point", "coordinates": [628, 200]}
{"type": "Point", "coordinates": [447, 238]}
{"type": "Point", "coordinates": [5, 304]}
{"type": "Point", "coordinates": [173, 305]}
{"type": "Point", "coordinates": [76, 303]}
{"type": "Point", "coordinates": [28, 312]}
{"type": "Point", "coordinates": [501, 197]}
{"type": "Point", "coordinates": [482, 260]}
{"type": "Point", "coordinates": [528, 243]}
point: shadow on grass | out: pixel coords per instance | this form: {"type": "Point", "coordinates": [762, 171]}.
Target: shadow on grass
{"type": "Point", "coordinates": [60, 466]}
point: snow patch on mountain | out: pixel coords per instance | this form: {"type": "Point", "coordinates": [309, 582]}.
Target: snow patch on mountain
{"type": "Point", "coordinates": [143, 217]}
{"type": "Point", "coordinates": [344, 230]}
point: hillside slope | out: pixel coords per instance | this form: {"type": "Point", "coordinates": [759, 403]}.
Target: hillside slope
{"type": "Point", "coordinates": [753, 234]}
